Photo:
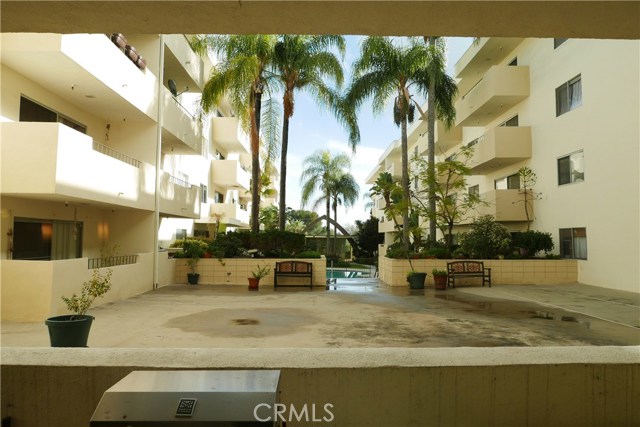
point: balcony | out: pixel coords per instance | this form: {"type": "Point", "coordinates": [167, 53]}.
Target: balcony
{"type": "Point", "coordinates": [501, 88]}
{"type": "Point", "coordinates": [233, 214]}
{"type": "Point", "coordinates": [182, 132]}
{"type": "Point", "coordinates": [482, 55]}
{"type": "Point", "coordinates": [229, 173]}
{"type": "Point", "coordinates": [182, 65]}
{"type": "Point", "coordinates": [504, 205]}
{"type": "Point", "coordinates": [500, 147]}
{"type": "Point", "coordinates": [178, 198]}
{"type": "Point", "coordinates": [387, 226]}
{"type": "Point", "coordinates": [52, 161]}
{"type": "Point", "coordinates": [227, 133]}
{"type": "Point", "coordinates": [86, 70]}
{"type": "Point", "coordinates": [445, 138]}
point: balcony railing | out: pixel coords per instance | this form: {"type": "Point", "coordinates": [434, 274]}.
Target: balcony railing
{"type": "Point", "coordinates": [111, 261]}
{"type": "Point", "coordinates": [108, 151]}
{"type": "Point", "coordinates": [179, 182]}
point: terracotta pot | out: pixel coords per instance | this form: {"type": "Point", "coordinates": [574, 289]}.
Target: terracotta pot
{"type": "Point", "coordinates": [254, 284]}
{"type": "Point", "coordinates": [441, 282]}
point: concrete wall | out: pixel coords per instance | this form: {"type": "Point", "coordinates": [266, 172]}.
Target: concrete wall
{"type": "Point", "coordinates": [503, 272]}
{"type": "Point", "coordinates": [32, 290]}
{"type": "Point", "coordinates": [560, 386]}
{"type": "Point", "coordinates": [235, 271]}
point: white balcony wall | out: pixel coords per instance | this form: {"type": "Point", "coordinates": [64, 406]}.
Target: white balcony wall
{"type": "Point", "coordinates": [186, 129]}
{"type": "Point", "coordinates": [232, 213]}
{"type": "Point", "coordinates": [178, 199]}
{"type": "Point", "coordinates": [196, 67]}
{"type": "Point", "coordinates": [227, 133]}
{"type": "Point", "coordinates": [58, 160]}
{"type": "Point", "coordinates": [229, 173]}
{"type": "Point", "coordinates": [501, 88]}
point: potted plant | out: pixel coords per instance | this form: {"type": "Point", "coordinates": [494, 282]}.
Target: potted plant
{"type": "Point", "coordinates": [416, 279]}
{"type": "Point", "coordinates": [258, 273]}
{"type": "Point", "coordinates": [440, 278]}
{"type": "Point", "coordinates": [73, 330]}
{"type": "Point", "coordinates": [193, 250]}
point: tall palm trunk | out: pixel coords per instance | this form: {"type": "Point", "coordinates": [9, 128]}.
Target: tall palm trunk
{"type": "Point", "coordinates": [283, 166]}
{"type": "Point", "coordinates": [431, 144]}
{"type": "Point", "coordinates": [255, 162]}
{"type": "Point", "coordinates": [335, 227]}
{"type": "Point", "coordinates": [328, 206]}
{"type": "Point", "coordinates": [405, 183]}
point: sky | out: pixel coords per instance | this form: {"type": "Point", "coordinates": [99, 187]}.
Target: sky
{"type": "Point", "coordinates": [312, 128]}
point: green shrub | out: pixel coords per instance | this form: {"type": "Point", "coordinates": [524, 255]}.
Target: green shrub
{"type": "Point", "coordinates": [308, 254]}
{"type": "Point", "coordinates": [487, 239]}
{"type": "Point", "coordinates": [397, 251]}
{"type": "Point", "coordinates": [225, 246]}
{"type": "Point", "coordinates": [533, 241]}
{"type": "Point", "coordinates": [194, 248]}
{"type": "Point", "coordinates": [439, 253]}
{"type": "Point", "coordinates": [274, 243]}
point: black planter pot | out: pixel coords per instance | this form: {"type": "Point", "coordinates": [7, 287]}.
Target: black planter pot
{"type": "Point", "coordinates": [69, 330]}
{"type": "Point", "coordinates": [416, 280]}
{"type": "Point", "coordinates": [192, 278]}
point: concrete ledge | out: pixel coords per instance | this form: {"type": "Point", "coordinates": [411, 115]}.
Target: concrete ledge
{"type": "Point", "coordinates": [269, 358]}
{"type": "Point", "coordinates": [568, 386]}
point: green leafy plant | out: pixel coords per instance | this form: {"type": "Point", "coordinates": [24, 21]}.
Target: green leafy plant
{"type": "Point", "coordinates": [487, 238]}
{"type": "Point", "coordinates": [437, 272]}
{"type": "Point", "coordinates": [193, 249]}
{"type": "Point", "coordinates": [98, 285]}
{"type": "Point", "coordinates": [533, 242]}
{"type": "Point", "coordinates": [308, 254]}
{"type": "Point", "coordinates": [260, 271]}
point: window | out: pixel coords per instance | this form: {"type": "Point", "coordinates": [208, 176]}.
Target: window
{"type": "Point", "coordinates": [569, 96]}
{"type": "Point", "coordinates": [514, 62]}
{"type": "Point", "coordinates": [511, 182]}
{"type": "Point", "coordinates": [474, 190]}
{"type": "Point", "coordinates": [513, 121]}
{"type": "Point", "coordinates": [571, 168]}
{"type": "Point", "coordinates": [31, 111]}
{"type": "Point", "coordinates": [558, 42]}
{"type": "Point", "coordinates": [573, 243]}
{"type": "Point", "coordinates": [37, 239]}
{"type": "Point", "coordinates": [218, 197]}
{"type": "Point", "coordinates": [181, 233]}
{"type": "Point", "coordinates": [204, 193]}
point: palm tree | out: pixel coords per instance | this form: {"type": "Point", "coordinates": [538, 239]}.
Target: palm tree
{"type": "Point", "coordinates": [385, 71]}
{"type": "Point", "coordinates": [321, 170]}
{"type": "Point", "coordinates": [345, 191]}
{"type": "Point", "coordinates": [303, 63]}
{"type": "Point", "coordinates": [441, 93]}
{"type": "Point", "coordinates": [243, 77]}
{"type": "Point", "coordinates": [387, 188]}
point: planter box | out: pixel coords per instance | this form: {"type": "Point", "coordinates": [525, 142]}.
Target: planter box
{"type": "Point", "coordinates": [236, 271]}
{"type": "Point", "coordinates": [503, 272]}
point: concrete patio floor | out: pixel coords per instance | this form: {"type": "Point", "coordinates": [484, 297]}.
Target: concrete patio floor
{"type": "Point", "coordinates": [358, 314]}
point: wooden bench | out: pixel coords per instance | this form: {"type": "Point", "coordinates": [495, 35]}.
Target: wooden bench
{"type": "Point", "coordinates": [464, 269]}
{"type": "Point", "coordinates": [293, 269]}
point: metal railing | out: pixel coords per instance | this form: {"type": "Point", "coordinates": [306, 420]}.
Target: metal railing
{"type": "Point", "coordinates": [108, 151]}
{"type": "Point", "coordinates": [472, 88]}
{"type": "Point", "coordinates": [111, 261]}
{"type": "Point", "coordinates": [179, 182]}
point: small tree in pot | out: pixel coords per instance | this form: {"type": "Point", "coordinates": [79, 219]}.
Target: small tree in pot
{"type": "Point", "coordinates": [73, 330]}
{"type": "Point", "coordinates": [193, 250]}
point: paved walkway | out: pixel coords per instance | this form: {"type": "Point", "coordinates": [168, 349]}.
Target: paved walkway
{"type": "Point", "coordinates": [358, 314]}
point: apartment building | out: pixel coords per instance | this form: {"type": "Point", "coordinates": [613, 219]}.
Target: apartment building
{"type": "Point", "coordinates": [88, 122]}
{"type": "Point", "coordinates": [569, 110]}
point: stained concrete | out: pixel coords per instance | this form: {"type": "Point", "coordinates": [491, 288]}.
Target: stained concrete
{"type": "Point", "coordinates": [358, 314]}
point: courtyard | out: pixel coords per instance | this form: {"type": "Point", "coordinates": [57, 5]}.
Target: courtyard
{"type": "Point", "coordinates": [358, 313]}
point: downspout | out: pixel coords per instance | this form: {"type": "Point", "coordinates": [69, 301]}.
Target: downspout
{"type": "Point", "coordinates": [156, 213]}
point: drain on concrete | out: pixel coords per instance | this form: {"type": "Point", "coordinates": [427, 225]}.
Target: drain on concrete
{"type": "Point", "coordinates": [246, 321]}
